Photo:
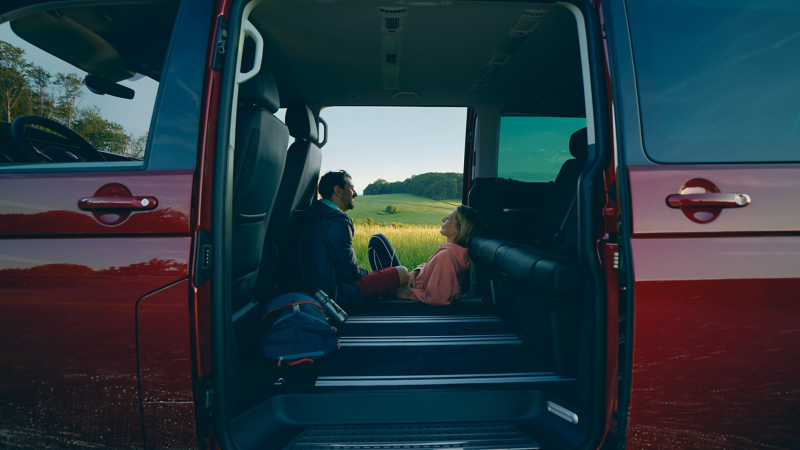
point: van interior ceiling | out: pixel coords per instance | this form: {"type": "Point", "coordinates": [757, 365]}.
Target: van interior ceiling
{"type": "Point", "coordinates": [504, 367]}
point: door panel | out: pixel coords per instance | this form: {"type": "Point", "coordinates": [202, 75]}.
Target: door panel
{"type": "Point", "coordinates": [773, 189]}
{"type": "Point", "coordinates": [716, 312]}
{"type": "Point", "coordinates": [68, 340]}
{"type": "Point", "coordinates": [47, 203]}
{"type": "Point", "coordinates": [162, 327]}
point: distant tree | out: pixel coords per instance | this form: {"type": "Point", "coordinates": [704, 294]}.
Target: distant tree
{"type": "Point", "coordinates": [391, 209]}
{"type": "Point", "coordinates": [42, 102]}
{"type": "Point", "coordinates": [102, 133]}
{"type": "Point", "coordinates": [370, 221]}
{"type": "Point", "coordinates": [437, 186]}
{"type": "Point", "coordinates": [13, 78]}
{"type": "Point", "coordinates": [69, 95]}
{"type": "Point", "coordinates": [378, 187]}
{"type": "Point", "coordinates": [136, 147]}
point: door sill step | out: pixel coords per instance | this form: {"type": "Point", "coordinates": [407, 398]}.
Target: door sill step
{"type": "Point", "coordinates": [471, 436]}
{"type": "Point", "coordinates": [427, 380]}
{"type": "Point", "coordinates": [422, 319]}
{"type": "Point", "coordinates": [394, 341]}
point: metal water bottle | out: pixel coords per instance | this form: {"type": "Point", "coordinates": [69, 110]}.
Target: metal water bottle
{"type": "Point", "coordinates": [332, 310]}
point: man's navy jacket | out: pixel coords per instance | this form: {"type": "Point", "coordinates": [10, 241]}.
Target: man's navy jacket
{"type": "Point", "coordinates": [327, 258]}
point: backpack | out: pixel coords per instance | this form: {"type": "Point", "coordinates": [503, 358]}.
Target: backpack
{"type": "Point", "coordinates": [295, 330]}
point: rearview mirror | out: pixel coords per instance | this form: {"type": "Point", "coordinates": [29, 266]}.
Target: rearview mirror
{"type": "Point", "coordinates": [101, 86]}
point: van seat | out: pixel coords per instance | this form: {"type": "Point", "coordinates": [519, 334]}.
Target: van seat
{"type": "Point", "coordinates": [539, 293]}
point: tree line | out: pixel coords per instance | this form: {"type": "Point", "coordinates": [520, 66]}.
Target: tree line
{"type": "Point", "coordinates": [28, 89]}
{"type": "Point", "coordinates": [434, 185]}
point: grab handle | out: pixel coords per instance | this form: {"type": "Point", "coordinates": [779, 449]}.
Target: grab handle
{"type": "Point", "coordinates": [250, 30]}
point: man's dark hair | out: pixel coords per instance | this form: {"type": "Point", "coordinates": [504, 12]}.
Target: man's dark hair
{"type": "Point", "coordinates": [329, 181]}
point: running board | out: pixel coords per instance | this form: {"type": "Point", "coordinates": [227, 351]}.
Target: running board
{"type": "Point", "coordinates": [429, 380]}
{"type": "Point", "coordinates": [422, 319]}
{"type": "Point", "coordinates": [406, 341]}
{"type": "Point", "coordinates": [483, 436]}
{"type": "Point", "coordinates": [403, 300]}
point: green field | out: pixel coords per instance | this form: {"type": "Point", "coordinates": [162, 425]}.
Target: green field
{"type": "Point", "coordinates": [416, 240]}
{"type": "Point", "coordinates": [414, 244]}
{"type": "Point", "coordinates": [414, 210]}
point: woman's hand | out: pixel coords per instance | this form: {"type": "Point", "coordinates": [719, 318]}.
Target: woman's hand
{"type": "Point", "coordinates": [412, 279]}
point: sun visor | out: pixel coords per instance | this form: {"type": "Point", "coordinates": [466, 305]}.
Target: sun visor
{"type": "Point", "coordinates": [70, 41]}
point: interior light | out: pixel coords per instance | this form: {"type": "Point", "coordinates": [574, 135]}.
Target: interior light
{"type": "Point", "coordinates": [527, 22]}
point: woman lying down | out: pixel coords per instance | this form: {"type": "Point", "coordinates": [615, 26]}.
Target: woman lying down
{"type": "Point", "coordinates": [438, 281]}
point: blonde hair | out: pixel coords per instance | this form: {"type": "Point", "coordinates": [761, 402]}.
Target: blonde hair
{"type": "Point", "coordinates": [468, 223]}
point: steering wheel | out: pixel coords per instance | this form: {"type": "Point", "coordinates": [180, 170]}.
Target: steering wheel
{"type": "Point", "coordinates": [87, 150]}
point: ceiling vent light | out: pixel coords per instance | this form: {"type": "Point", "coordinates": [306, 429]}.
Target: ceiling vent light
{"type": "Point", "coordinates": [499, 58]}
{"type": "Point", "coordinates": [393, 23]}
{"type": "Point", "coordinates": [527, 22]}
{"type": "Point", "coordinates": [406, 96]}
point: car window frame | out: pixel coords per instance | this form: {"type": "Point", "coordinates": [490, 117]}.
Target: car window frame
{"type": "Point", "coordinates": [192, 26]}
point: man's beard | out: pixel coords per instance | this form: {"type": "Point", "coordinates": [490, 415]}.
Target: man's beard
{"type": "Point", "coordinates": [349, 205]}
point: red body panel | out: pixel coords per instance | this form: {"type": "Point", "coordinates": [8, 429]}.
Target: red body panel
{"type": "Point", "coordinates": [47, 203]}
{"type": "Point", "coordinates": [717, 307]}
{"type": "Point", "coordinates": [68, 343]}
{"type": "Point", "coordinates": [165, 367]}
{"type": "Point", "coordinates": [165, 364]}
{"type": "Point", "coordinates": [775, 205]}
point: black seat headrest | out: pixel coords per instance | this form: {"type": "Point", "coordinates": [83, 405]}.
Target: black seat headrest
{"type": "Point", "coordinates": [579, 144]}
{"type": "Point", "coordinates": [261, 90]}
{"type": "Point", "coordinates": [301, 122]}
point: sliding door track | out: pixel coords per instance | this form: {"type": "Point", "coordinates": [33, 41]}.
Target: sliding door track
{"type": "Point", "coordinates": [395, 341]}
{"type": "Point", "coordinates": [429, 380]}
{"type": "Point", "coordinates": [483, 436]}
{"type": "Point", "coordinates": [422, 319]}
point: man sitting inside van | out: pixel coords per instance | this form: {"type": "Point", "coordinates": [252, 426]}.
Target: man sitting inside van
{"type": "Point", "coordinates": [327, 259]}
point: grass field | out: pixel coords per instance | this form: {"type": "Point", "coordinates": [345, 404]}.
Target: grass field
{"type": "Point", "coordinates": [416, 240]}
{"type": "Point", "coordinates": [414, 244]}
{"type": "Point", "coordinates": [414, 210]}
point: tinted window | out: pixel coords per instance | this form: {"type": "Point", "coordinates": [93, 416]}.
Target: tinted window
{"type": "Point", "coordinates": [533, 149]}
{"type": "Point", "coordinates": [42, 76]}
{"type": "Point", "coordinates": [718, 82]}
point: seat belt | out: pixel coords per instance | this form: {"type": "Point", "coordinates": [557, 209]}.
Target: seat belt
{"type": "Point", "coordinates": [559, 236]}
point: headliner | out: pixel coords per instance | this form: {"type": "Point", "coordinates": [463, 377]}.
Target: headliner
{"type": "Point", "coordinates": [322, 52]}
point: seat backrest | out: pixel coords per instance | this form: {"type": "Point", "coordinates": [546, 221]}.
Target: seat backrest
{"type": "Point", "coordinates": [259, 157]}
{"type": "Point", "coordinates": [565, 188]}
{"type": "Point", "coordinates": [297, 190]}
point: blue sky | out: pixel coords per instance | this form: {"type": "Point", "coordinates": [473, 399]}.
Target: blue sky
{"type": "Point", "coordinates": [393, 143]}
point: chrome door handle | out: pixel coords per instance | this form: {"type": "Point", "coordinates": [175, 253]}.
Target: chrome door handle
{"type": "Point", "coordinates": [713, 199]}
{"type": "Point", "coordinates": [117, 203]}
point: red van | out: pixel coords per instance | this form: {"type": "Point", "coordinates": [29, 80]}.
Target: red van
{"type": "Point", "coordinates": [640, 287]}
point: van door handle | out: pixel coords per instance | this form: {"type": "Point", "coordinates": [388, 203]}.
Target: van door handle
{"type": "Point", "coordinates": [713, 199]}
{"type": "Point", "coordinates": [117, 203]}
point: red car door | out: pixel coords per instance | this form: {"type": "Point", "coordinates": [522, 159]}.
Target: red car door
{"type": "Point", "coordinates": [707, 119]}
{"type": "Point", "coordinates": [94, 260]}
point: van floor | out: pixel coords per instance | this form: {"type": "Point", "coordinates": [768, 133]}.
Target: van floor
{"type": "Point", "coordinates": [407, 348]}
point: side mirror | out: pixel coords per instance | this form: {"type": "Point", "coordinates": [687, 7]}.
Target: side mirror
{"type": "Point", "coordinates": [101, 86]}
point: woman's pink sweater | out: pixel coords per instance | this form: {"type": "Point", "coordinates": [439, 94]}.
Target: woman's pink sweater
{"type": "Point", "coordinates": [438, 281]}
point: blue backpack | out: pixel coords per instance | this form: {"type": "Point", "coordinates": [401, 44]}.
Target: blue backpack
{"type": "Point", "coordinates": [295, 330]}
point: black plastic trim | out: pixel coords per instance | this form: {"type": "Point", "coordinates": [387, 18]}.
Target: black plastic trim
{"type": "Point", "coordinates": [628, 130]}
{"type": "Point", "coordinates": [590, 182]}
{"type": "Point", "coordinates": [222, 220]}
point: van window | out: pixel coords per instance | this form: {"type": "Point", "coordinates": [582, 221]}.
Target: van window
{"type": "Point", "coordinates": [111, 109]}
{"type": "Point", "coordinates": [533, 149]}
{"type": "Point", "coordinates": [718, 81]}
